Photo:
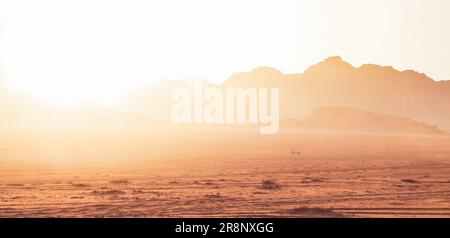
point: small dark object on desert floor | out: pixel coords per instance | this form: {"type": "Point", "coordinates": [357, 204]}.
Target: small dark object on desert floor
{"type": "Point", "coordinates": [314, 212]}
{"type": "Point", "coordinates": [138, 191]}
{"type": "Point", "coordinates": [409, 181]}
{"type": "Point", "coordinates": [295, 152]}
{"type": "Point", "coordinates": [270, 184]}
{"type": "Point", "coordinates": [108, 192]}
{"type": "Point", "coordinates": [77, 197]}
{"type": "Point", "coordinates": [80, 185]}
{"type": "Point", "coordinates": [120, 181]}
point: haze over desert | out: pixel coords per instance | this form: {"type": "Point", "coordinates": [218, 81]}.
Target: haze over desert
{"type": "Point", "coordinates": [224, 109]}
{"type": "Point", "coordinates": [337, 161]}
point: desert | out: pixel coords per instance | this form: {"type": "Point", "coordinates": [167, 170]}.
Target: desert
{"type": "Point", "coordinates": [287, 175]}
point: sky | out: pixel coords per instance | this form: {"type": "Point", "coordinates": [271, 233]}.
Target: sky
{"type": "Point", "coordinates": [94, 49]}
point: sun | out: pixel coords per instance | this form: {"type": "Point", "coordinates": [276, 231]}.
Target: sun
{"type": "Point", "coordinates": [68, 51]}
{"type": "Point", "coordinates": [65, 52]}
{"type": "Point", "coordinates": [63, 88]}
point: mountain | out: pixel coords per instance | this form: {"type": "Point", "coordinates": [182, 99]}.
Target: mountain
{"type": "Point", "coordinates": [370, 87]}
{"type": "Point", "coordinates": [378, 94]}
{"type": "Point", "coordinates": [349, 120]}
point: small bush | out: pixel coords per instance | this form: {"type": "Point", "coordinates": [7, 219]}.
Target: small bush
{"type": "Point", "coordinates": [269, 184]}
{"type": "Point", "coordinates": [409, 181]}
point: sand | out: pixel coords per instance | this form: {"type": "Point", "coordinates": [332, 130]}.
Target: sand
{"type": "Point", "coordinates": [288, 175]}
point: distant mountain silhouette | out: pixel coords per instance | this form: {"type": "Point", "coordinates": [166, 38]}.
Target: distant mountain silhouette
{"type": "Point", "coordinates": [332, 82]}
{"type": "Point", "coordinates": [369, 87]}
{"type": "Point", "coordinates": [380, 89]}
{"type": "Point", "coordinates": [349, 120]}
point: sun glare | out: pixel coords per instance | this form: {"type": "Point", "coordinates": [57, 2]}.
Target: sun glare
{"type": "Point", "coordinates": [97, 49]}
{"type": "Point", "coordinates": [82, 50]}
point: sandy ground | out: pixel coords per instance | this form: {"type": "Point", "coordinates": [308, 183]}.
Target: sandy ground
{"type": "Point", "coordinates": [282, 176]}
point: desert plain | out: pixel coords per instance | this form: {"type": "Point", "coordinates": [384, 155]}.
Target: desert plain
{"type": "Point", "coordinates": [291, 174]}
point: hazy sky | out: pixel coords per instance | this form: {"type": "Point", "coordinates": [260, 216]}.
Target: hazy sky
{"type": "Point", "coordinates": [71, 49]}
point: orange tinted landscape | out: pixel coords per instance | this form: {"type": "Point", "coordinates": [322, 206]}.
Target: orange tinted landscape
{"type": "Point", "coordinates": [338, 161]}
{"type": "Point", "coordinates": [332, 176]}
{"type": "Point", "coordinates": [199, 108]}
